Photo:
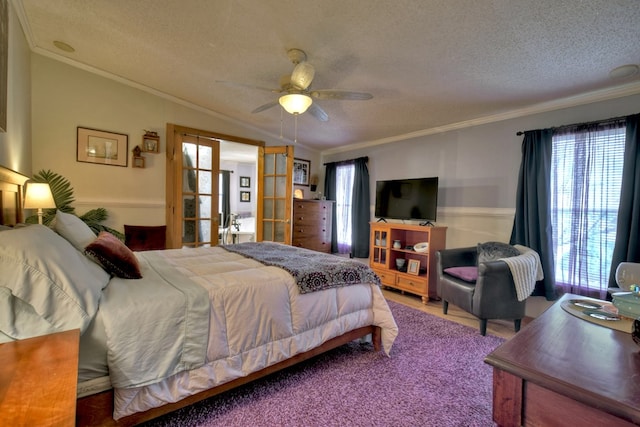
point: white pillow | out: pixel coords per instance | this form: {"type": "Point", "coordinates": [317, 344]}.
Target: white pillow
{"type": "Point", "coordinates": [74, 230]}
{"type": "Point", "coordinates": [44, 270]}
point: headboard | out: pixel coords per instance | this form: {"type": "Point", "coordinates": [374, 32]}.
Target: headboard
{"type": "Point", "coordinates": [11, 196]}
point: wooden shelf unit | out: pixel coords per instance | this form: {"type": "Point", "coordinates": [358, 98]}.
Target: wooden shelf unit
{"type": "Point", "coordinates": [382, 256]}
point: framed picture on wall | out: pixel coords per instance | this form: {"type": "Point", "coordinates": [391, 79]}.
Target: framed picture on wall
{"type": "Point", "coordinates": [102, 147]}
{"type": "Point", "coordinates": [245, 182]}
{"type": "Point", "coordinates": [245, 196]}
{"type": "Point", "coordinates": [301, 170]}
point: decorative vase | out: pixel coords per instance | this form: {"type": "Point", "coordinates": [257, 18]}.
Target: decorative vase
{"type": "Point", "coordinates": [397, 244]}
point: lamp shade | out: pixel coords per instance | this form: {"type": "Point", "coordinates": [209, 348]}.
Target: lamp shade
{"type": "Point", "coordinates": [38, 195]}
{"type": "Point", "coordinates": [295, 103]}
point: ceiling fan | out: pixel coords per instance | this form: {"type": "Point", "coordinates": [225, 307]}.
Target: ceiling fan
{"type": "Point", "coordinates": [296, 93]}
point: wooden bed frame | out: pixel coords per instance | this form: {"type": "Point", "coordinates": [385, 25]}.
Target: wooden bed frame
{"type": "Point", "coordinates": [97, 409]}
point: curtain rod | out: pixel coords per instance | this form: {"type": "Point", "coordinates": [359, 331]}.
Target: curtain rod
{"type": "Point", "coordinates": [613, 119]}
{"type": "Point", "coordinates": [346, 162]}
{"type": "Point", "coordinates": [200, 136]}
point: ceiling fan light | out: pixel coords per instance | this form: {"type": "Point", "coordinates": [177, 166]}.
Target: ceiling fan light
{"type": "Point", "coordinates": [295, 103]}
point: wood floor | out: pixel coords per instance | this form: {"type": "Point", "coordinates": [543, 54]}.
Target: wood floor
{"type": "Point", "coordinates": [500, 328]}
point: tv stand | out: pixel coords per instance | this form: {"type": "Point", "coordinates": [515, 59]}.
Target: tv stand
{"type": "Point", "coordinates": [383, 255]}
{"type": "Point", "coordinates": [427, 224]}
{"type": "Point", "coordinates": [381, 220]}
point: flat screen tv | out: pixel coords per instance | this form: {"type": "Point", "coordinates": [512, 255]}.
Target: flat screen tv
{"type": "Point", "coordinates": [413, 199]}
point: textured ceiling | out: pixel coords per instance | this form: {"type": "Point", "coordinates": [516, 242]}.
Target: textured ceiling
{"type": "Point", "coordinates": [428, 63]}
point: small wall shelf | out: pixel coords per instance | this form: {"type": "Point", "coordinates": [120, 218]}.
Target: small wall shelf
{"type": "Point", "coordinates": [151, 142]}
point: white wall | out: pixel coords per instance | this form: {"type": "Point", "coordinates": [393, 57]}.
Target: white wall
{"type": "Point", "coordinates": [65, 97]}
{"type": "Point", "coordinates": [15, 143]}
{"type": "Point", "coordinates": [477, 167]}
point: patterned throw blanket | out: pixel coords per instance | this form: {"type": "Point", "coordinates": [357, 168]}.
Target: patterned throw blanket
{"type": "Point", "coordinates": [313, 271]}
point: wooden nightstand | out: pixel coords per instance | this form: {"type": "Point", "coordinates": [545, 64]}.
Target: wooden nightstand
{"type": "Point", "coordinates": [38, 380]}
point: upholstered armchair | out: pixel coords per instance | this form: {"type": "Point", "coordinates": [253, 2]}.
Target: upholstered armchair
{"type": "Point", "coordinates": [487, 292]}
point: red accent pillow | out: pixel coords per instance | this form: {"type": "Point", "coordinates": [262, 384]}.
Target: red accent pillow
{"type": "Point", "coordinates": [468, 274]}
{"type": "Point", "coordinates": [115, 257]}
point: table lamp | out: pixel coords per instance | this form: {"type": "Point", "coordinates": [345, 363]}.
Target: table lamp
{"type": "Point", "coordinates": [38, 196]}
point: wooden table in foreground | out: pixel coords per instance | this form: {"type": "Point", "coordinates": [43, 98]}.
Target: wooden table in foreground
{"type": "Point", "coordinates": [38, 380]}
{"type": "Point", "coordinates": [562, 370]}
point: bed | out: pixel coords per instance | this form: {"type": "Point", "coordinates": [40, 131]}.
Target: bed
{"type": "Point", "coordinates": [197, 322]}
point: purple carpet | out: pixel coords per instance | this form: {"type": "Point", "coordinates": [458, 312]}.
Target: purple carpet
{"type": "Point", "coordinates": [435, 377]}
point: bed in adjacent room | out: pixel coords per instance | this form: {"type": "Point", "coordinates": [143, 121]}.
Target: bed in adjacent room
{"type": "Point", "coordinates": [163, 329]}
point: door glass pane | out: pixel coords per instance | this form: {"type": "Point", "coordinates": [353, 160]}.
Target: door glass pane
{"type": "Point", "coordinates": [279, 234]}
{"type": "Point", "coordinates": [188, 154]}
{"type": "Point", "coordinates": [206, 157]}
{"type": "Point", "coordinates": [268, 231]}
{"type": "Point", "coordinates": [269, 164]}
{"type": "Point", "coordinates": [269, 186]}
{"type": "Point", "coordinates": [281, 186]}
{"type": "Point", "coordinates": [204, 182]}
{"type": "Point", "coordinates": [267, 210]}
{"type": "Point", "coordinates": [205, 206]}
{"type": "Point", "coordinates": [189, 231]}
{"type": "Point", "coordinates": [280, 210]}
{"type": "Point", "coordinates": [205, 230]}
{"type": "Point", "coordinates": [189, 181]}
{"type": "Point", "coordinates": [189, 206]}
{"type": "Point", "coordinates": [281, 164]}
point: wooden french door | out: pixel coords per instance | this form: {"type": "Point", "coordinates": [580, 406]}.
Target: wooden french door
{"type": "Point", "coordinates": [275, 194]}
{"type": "Point", "coordinates": [192, 212]}
{"type": "Point", "coordinates": [193, 164]}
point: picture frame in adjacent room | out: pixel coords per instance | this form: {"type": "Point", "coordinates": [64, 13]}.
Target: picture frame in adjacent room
{"type": "Point", "coordinates": [245, 182]}
{"type": "Point", "coordinates": [301, 169]}
{"type": "Point", "coordinates": [102, 147]}
{"type": "Point", "coordinates": [245, 196]}
{"type": "Point", "coordinates": [413, 267]}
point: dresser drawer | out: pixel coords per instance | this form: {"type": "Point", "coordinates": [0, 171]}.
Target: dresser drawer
{"type": "Point", "coordinates": [412, 283]}
{"type": "Point", "coordinates": [314, 245]}
{"type": "Point", "coordinates": [310, 218]}
{"type": "Point", "coordinates": [386, 277]}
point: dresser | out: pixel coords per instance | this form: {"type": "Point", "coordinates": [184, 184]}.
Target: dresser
{"type": "Point", "coordinates": [563, 370]}
{"type": "Point", "coordinates": [312, 224]}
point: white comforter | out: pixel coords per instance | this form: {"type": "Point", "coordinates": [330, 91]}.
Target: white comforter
{"type": "Point", "coordinates": [257, 318]}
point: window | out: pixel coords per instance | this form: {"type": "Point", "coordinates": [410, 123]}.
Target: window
{"type": "Point", "coordinates": [586, 178]}
{"type": "Point", "coordinates": [344, 194]}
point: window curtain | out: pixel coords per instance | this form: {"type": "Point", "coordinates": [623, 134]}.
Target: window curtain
{"type": "Point", "coordinates": [343, 206]}
{"type": "Point", "coordinates": [360, 210]}
{"type": "Point", "coordinates": [330, 193]}
{"type": "Point", "coordinates": [532, 221]}
{"type": "Point", "coordinates": [627, 245]}
{"type": "Point", "coordinates": [226, 204]}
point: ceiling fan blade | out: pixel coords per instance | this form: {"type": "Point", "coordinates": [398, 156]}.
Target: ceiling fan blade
{"type": "Point", "coordinates": [265, 106]}
{"type": "Point", "coordinates": [316, 111]}
{"type": "Point", "coordinates": [344, 95]}
{"type": "Point", "coordinates": [302, 75]}
{"type": "Point", "coordinates": [268, 89]}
